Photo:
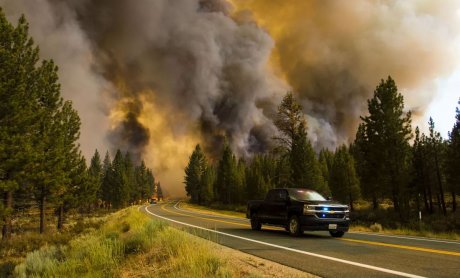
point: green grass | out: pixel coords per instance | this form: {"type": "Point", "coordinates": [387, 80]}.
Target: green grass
{"type": "Point", "coordinates": [128, 244]}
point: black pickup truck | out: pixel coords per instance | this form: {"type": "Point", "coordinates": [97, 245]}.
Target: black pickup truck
{"type": "Point", "coordinates": [299, 210]}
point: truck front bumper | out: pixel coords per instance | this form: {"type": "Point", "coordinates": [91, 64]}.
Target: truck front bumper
{"type": "Point", "coordinates": [313, 223]}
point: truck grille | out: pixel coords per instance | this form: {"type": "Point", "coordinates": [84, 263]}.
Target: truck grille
{"type": "Point", "coordinates": [330, 208]}
{"type": "Point", "coordinates": [330, 215]}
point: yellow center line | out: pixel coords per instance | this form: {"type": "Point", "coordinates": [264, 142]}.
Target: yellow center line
{"type": "Point", "coordinates": [429, 250]}
{"type": "Point", "coordinates": [402, 246]}
{"type": "Point", "coordinates": [215, 220]}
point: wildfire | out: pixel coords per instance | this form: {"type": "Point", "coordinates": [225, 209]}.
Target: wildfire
{"type": "Point", "coordinates": [171, 138]}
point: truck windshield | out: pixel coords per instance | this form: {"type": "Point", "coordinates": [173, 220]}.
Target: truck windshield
{"type": "Point", "coordinates": [306, 195]}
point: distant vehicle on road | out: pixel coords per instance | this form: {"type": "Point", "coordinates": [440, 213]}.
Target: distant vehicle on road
{"type": "Point", "coordinates": [153, 201]}
{"type": "Point", "coordinates": [299, 210]}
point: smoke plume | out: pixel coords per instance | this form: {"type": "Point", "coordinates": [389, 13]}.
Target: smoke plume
{"type": "Point", "coordinates": [333, 53]}
{"type": "Point", "coordinates": [155, 77]}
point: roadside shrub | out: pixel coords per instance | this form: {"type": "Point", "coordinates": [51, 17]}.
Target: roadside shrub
{"type": "Point", "coordinates": [40, 263]}
{"type": "Point", "coordinates": [125, 227]}
{"type": "Point", "coordinates": [376, 227]}
{"type": "Point", "coordinates": [136, 243]}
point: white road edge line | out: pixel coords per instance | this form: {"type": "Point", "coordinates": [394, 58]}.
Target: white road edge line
{"type": "Point", "coordinates": [399, 273]}
{"type": "Point", "coordinates": [358, 233]}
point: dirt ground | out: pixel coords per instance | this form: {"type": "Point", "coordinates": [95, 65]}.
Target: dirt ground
{"type": "Point", "coordinates": [252, 266]}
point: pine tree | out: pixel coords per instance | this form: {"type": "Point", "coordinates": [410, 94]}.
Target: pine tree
{"type": "Point", "coordinates": [421, 184]}
{"type": "Point", "coordinates": [79, 193]}
{"type": "Point", "coordinates": [325, 159]}
{"type": "Point", "coordinates": [193, 173]}
{"type": "Point", "coordinates": [142, 188]}
{"type": "Point", "coordinates": [18, 118]}
{"type": "Point", "coordinates": [69, 166]}
{"type": "Point", "coordinates": [119, 182]}
{"type": "Point", "coordinates": [150, 182]}
{"type": "Point", "coordinates": [256, 184]}
{"type": "Point", "coordinates": [304, 168]}
{"type": "Point", "coordinates": [130, 178]}
{"type": "Point", "coordinates": [367, 168]}
{"type": "Point", "coordinates": [436, 152]}
{"type": "Point", "coordinates": [343, 179]}
{"type": "Point", "coordinates": [225, 182]}
{"type": "Point", "coordinates": [453, 159]}
{"type": "Point", "coordinates": [384, 140]}
{"type": "Point", "coordinates": [288, 119]}
{"type": "Point", "coordinates": [239, 181]}
{"type": "Point", "coordinates": [107, 189]}
{"type": "Point", "coordinates": [208, 179]}
{"type": "Point", "coordinates": [95, 175]}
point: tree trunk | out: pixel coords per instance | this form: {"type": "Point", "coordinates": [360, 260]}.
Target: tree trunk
{"type": "Point", "coordinates": [375, 205]}
{"type": "Point", "coordinates": [438, 175]}
{"type": "Point", "coordinates": [430, 198]}
{"type": "Point", "coordinates": [425, 200]}
{"type": "Point", "coordinates": [60, 217]}
{"type": "Point", "coordinates": [42, 212]}
{"type": "Point", "coordinates": [8, 204]}
{"type": "Point", "coordinates": [351, 202]}
{"type": "Point", "coordinates": [426, 176]}
{"type": "Point", "coordinates": [396, 205]}
{"type": "Point", "coordinates": [454, 202]}
{"type": "Point", "coordinates": [439, 202]}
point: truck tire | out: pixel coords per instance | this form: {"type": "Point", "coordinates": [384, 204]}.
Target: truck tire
{"type": "Point", "coordinates": [294, 226]}
{"type": "Point", "coordinates": [336, 233]}
{"type": "Point", "coordinates": [255, 223]}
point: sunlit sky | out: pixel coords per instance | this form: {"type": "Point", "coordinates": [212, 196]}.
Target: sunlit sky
{"type": "Point", "coordinates": [442, 108]}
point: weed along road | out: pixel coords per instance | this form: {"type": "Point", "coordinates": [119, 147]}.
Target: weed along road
{"type": "Point", "coordinates": [354, 255]}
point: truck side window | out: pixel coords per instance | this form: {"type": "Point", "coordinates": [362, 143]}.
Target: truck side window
{"type": "Point", "coordinates": [270, 195]}
{"type": "Point", "coordinates": [282, 195]}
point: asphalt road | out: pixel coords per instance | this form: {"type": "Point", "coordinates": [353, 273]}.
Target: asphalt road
{"type": "Point", "coordinates": [354, 255]}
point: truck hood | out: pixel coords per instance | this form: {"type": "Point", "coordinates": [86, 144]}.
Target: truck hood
{"type": "Point", "coordinates": [325, 203]}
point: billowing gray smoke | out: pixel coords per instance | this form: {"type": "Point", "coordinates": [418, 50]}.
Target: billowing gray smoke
{"type": "Point", "coordinates": [194, 57]}
{"type": "Point", "coordinates": [224, 71]}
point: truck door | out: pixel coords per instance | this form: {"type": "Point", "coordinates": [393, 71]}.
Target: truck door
{"type": "Point", "coordinates": [266, 212]}
{"type": "Point", "coordinates": [279, 207]}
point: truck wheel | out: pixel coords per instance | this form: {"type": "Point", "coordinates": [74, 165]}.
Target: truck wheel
{"type": "Point", "coordinates": [294, 226]}
{"type": "Point", "coordinates": [336, 233]}
{"type": "Point", "coordinates": [255, 224]}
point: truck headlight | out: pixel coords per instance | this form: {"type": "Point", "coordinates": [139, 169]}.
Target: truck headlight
{"type": "Point", "coordinates": [308, 209]}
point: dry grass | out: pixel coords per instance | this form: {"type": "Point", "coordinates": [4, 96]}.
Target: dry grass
{"type": "Point", "coordinates": [128, 244]}
{"type": "Point", "coordinates": [26, 238]}
{"type": "Point", "coordinates": [204, 209]}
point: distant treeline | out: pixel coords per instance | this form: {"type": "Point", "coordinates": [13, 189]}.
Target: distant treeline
{"type": "Point", "coordinates": [385, 162]}
{"type": "Point", "coordinates": [40, 159]}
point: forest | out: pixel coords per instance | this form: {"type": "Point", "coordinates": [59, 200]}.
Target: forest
{"type": "Point", "coordinates": [388, 165]}
{"type": "Point", "coordinates": [41, 165]}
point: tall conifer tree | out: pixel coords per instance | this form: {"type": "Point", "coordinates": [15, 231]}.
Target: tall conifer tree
{"type": "Point", "coordinates": [384, 140]}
